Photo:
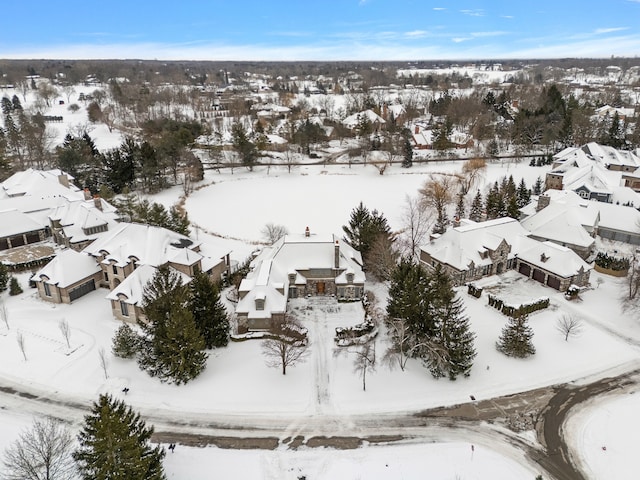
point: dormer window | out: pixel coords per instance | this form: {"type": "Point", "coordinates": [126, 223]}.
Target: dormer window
{"type": "Point", "coordinates": [260, 298]}
{"type": "Point", "coordinates": [292, 278]}
{"type": "Point", "coordinates": [350, 277]}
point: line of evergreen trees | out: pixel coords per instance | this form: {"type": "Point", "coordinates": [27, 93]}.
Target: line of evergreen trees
{"type": "Point", "coordinates": [503, 199]}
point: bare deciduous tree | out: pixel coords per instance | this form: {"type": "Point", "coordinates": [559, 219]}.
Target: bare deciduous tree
{"type": "Point", "coordinates": [472, 171]}
{"type": "Point", "coordinates": [288, 345]}
{"type": "Point", "coordinates": [633, 278]}
{"type": "Point", "coordinates": [20, 340]}
{"type": "Point", "coordinates": [569, 326]}
{"type": "Point", "coordinates": [272, 232]}
{"type": "Point", "coordinates": [404, 345]}
{"type": "Point", "coordinates": [416, 223]}
{"type": "Point", "coordinates": [365, 361]}
{"type": "Point", "coordinates": [382, 257]}
{"type": "Point", "coordinates": [66, 331]}
{"type": "Point", "coordinates": [41, 453]}
{"type": "Point", "coordinates": [104, 362]}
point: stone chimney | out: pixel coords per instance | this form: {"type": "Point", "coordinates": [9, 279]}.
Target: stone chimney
{"type": "Point", "coordinates": [543, 201]}
{"type": "Point", "coordinates": [63, 179]}
{"type": "Point", "coordinates": [97, 202]}
{"type": "Point", "coordinates": [87, 193]}
{"type": "Point", "coordinates": [307, 232]}
{"type": "Point", "coordinates": [416, 130]}
{"type": "Point", "coordinates": [336, 255]}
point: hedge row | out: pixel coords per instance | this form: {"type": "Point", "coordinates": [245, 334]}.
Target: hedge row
{"type": "Point", "coordinates": [520, 310]}
{"type": "Point", "coordinates": [605, 260]}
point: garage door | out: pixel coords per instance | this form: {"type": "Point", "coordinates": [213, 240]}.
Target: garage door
{"type": "Point", "coordinates": [33, 237]}
{"type": "Point", "coordinates": [81, 290]}
{"type": "Point", "coordinates": [553, 282]}
{"type": "Point", "coordinates": [17, 241]}
{"type": "Point", "coordinates": [525, 269]}
{"type": "Point", "coordinates": [538, 275]}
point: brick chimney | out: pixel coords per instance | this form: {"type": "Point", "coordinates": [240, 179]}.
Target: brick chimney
{"type": "Point", "coordinates": [307, 232]}
{"type": "Point", "coordinates": [336, 255]}
{"type": "Point", "coordinates": [416, 130]}
{"type": "Point", "coordinates": [97, 202]}
{"type": "Point", "coordinates": [87, 193]}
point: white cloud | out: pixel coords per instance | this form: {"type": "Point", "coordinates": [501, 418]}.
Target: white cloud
{"type": "Point", "coordinates": [600, 31]}
{"type": "Point", "coordinates": [477, 12]}
{"type": "Point", "coordinates": [496, 33]}
{"type": "Point", "coordinates": [440, 9]}
{"type": "Point", "coordinates": [460, 39]}
{"type": "Point", "coordinates": [416, 34]}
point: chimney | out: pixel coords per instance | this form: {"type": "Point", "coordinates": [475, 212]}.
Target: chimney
{"type": "Point", "coordinates": [97, 202]}
{"type": "Point", "coordinates": [416, 130]}
{"type": "Point", "coordinates": [336, 255]}
{"type": "Point", "coordinates": [87, 194]}
{"type": "Point", "coordinates": [63, 179]}
{"type": "Point", "coordinates": [307, 232]}
{"type": "Point", "coordinates": [543, 201]}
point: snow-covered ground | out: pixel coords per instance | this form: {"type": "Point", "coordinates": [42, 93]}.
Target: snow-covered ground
{"type": "Point", "coordinates": [230, 210]}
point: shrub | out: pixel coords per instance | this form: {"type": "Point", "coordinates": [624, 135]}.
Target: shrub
{"type": "Point", "coordinates": [605, 260]}
{"type": "Point", "coordinates": [473, 290]}
{"type": "Point", "coordinates": [125, 342]}
{"type": "Point", "coordinates": [14, 287]}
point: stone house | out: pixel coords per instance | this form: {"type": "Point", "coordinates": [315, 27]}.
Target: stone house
{"type": "Point", "coordinates": [297, 266]}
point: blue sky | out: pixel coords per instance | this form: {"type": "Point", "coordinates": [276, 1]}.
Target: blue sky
{"type": "Point", "coordinates": [319, 30]}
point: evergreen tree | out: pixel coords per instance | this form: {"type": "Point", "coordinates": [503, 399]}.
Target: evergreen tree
{"type": "Point", "coordinates": [115, 444]}
{"type": "Point", "coordinates": [178, 221]}
{"type": "Point", "coordinates": [15, 103]}
{"type": "Point", "coordinates": [171, 347]}
{"type": "Point", "coordinates": [460, 208]}
{"type": "Point", "coordinates": [246, 148]}
{"type": "Point", "coordinates": [538, 186]}
{"type": "Point", "coordinates": [14, 287]}
{"type": "Point", "coordinates": [475, 213]}
{"type": "Point", "coordinates": [493, 202]}
{"type": "Point", "coordinates": [515, 339]}
{"type": "Point", "coordinates": [364, 228]}
{"type": "Point", "coordinates": [442, 222]}
{"type": "Point", "coordinates": [452, 333]}
{"type": "Point", "coordinates": [523, 194]}
{"type": "Point", "coordinates": [4, 277]}
{"type": "Point", "coordinates": [407, 149]}
{"type": "Point", "coordinates": [209, 313]}
{"type": "Point", "coordinates": [125, 342]}
{"type": "Point", "coordinates": [513, 210]}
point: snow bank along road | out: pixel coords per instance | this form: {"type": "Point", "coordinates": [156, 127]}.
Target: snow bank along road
{"type": "Point", "coordinates": [481, 422]}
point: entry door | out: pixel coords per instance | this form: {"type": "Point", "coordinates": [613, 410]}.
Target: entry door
{"type": "Point", "coordinates": [320, 288]}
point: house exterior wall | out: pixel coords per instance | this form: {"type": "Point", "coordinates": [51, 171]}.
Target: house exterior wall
{"type": "Point", "coordinates": [62, 295]}
{"type": "Point", "coordinates": [620, 236]}
{"type": "Point", "coordinates": [553, 181]}
{"type": "Point", "coordinates": [135, 312]}
{"type": "Point", "coordinates": [55, 294]}
{"type": "Point", "coordinates": [543, 276]}
{"type": "Point", "coordinates": [25, 238]}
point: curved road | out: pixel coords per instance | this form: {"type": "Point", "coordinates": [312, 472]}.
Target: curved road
{"type": "Point", "coordinates": [482, 422]}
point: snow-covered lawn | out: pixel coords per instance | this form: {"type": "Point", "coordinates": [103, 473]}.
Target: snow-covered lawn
{"type": "Point", "coordinates": [237, 383]}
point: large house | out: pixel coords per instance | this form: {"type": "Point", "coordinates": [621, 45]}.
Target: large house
{"type": "Point", "coordinates": [297, 266]}
{"type": "Point", "coordinates": [597, 172]}
{"type": "Point", "coordinates": [117, 255]}
{"type": "Point", "coordinates": [476, 250]}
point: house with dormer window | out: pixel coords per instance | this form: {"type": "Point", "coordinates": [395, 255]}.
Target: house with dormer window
{"type": "Point", "coordinates": [297, 266]}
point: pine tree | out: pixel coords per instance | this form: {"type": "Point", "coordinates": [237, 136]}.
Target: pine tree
{"type": "Point", "coordinates": [14, 287]}
{"type": "Point", "coordinates": [515, 339]}
{"type": "Point", "coordinates": [178, 221]}
{"type": "Point", "coordinates": [460, 208]}
{"type": "Point", "coordinates": [442, 222]}
{"type": "Point", "coordinates": [125, 342]}
{"type": "Point", "coordinates": [4, 277]}
{"type": "Point", "coordinates": [523, 194]}
{"type": "Point", "coordinates": [209, 313]}
{"type": "Point", "coordinates": [407, 149]}
{"type": "Point", "coordinates": [115, 444]}
{"type": "Point", "coordinates": [513, 210]}
{"type": "Point", "coordinates": [452, 334]}
{"type": "Point", "coordinates": [171, 347]}
{"type": "Point", "coordinates": [538, 186]}
{"type": "Point", "coordinates": [355, 232]}
{"type": "Point", "coordinates": [475, 213]}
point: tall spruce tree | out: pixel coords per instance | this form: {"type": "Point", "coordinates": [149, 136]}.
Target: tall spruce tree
{"type": "Point", "coordinates": [475, 213]}
{"type": "Point", "coordinates": [513, 210]}
{"type": "Point", "coordinates": [452, 333]}
{"type": "Point", "coordinates": [171, 347]}
{"type": "Point", "coordinates": [538, 186]}
{"type": "Point", "coordinates": [115, 444]}
{"type": "Point", "coordinates": [209, 313]}
{"type": "Point", "coordinates": [523, 194]}
{"type": "Point", "coordinates": [364, 228]}
{"type": "Point", "coordinates": [516, 338]}
{"type": "Point", "coordinates": [460, 207]}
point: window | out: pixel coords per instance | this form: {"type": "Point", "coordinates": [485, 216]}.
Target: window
{"type": "Point", "coordinates": [106, 276]}
{"type": "Point", "coordinates": [124, 308]}
{"type": "Point", "coordinates": [47, 289]}
{"type": "Point", "coordinates": [115, 269]}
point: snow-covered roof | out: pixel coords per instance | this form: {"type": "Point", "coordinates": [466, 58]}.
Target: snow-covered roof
{"type": "Point", "coordinates": [464, 245]}
{"type": "Point", "coordinates": [131, 290]}
{"type": "Point", "coordinates": [67, 268]}
{"type": "Point", "coordinates": [554, 258]}
{"type": "Point", "coordinates": [352, 121]}
{"type": "Point", "coordinates": [78, 216]}
{"type": "Point", "coordinates": [294, 255]}
{"type": "Point", "coordinates": [39, 183]}
{"type": "Point", "coordinates": [148, 244]}
{"type": "Point", "coordinates": [13, 222]}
